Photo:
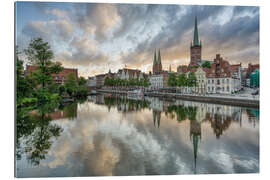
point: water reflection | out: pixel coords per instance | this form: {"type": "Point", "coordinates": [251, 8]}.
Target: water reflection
{"type": "Point", "coordinates": [121, 136]}
{"type": "Point", "coordinates": [36, 133]}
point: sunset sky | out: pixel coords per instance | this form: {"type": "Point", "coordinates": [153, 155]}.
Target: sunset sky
{"type": "Point", "coordinates": [97, 37]}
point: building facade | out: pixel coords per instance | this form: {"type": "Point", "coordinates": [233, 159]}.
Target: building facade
{"type": "Point", "coordinates": [129, 74]}
{"type": "Point", "coordinates": [100, 80]}
{"type": "Point", "coordinates": [159, 81]}
{"type": "Point", "coordinates": [221, 79]}
{"type": "Point", "coordinates": [201, 80]}
{"type": "Point", "coordinates": [91, 81]}
{"type": "Point", "coordinates": [59, 78]}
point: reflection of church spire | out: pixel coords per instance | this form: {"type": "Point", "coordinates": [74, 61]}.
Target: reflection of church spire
{"type": "Point", "coordinates": [195, 133]}
{"type": "Point", "coordinates": [156, 117]}
{"type": "Point", "coordinates": [195, 140]}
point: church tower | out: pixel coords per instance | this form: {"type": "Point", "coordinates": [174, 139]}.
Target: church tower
{"type": "Point", "coordinates": [195, 47]}
{"type": "Point", "coordinates": [157, 65]}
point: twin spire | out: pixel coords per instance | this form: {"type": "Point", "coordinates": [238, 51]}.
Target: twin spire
{"type": "Point", "coordinates": [157, 60]}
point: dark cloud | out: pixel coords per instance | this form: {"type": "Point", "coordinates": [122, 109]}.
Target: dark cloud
{"type": "Point", "coordinates": [241, 33]}
{"type": "Point", "coordinates": [134, 31]}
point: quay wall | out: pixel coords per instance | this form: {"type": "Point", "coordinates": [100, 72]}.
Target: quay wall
{"type": "Point", "coordinates": [207, 99]}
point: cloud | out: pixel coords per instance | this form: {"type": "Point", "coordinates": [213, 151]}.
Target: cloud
{"type": "Point", "coordinates": [111, 35]}
{"type": "Point", "coordinates": [96, 19]}
{"type": "Point", "coordinates": [58, 13]}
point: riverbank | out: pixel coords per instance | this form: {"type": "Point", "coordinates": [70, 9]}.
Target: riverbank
{"type": "Point", "coordinates": [216, 99]}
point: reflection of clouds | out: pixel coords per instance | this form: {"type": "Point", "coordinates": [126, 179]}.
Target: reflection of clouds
{"type": "Point", "coordinates": [102, 143]}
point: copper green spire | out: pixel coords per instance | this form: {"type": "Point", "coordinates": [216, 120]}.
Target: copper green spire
{"type": "Point", "coordinates": [196, 36]}
{"type": "Point", "coordinates": [159, 58]}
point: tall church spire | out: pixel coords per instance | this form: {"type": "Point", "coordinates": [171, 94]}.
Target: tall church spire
{"type": "Point", "coordinates": [155, 58]}
{"type": "Point", "coordinates": [159, 58]}
{"type": "Point", "coordinates": [196, 36]}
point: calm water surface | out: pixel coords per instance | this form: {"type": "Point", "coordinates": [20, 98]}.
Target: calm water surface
{"type": "Point", "coordinates": [118, 136]}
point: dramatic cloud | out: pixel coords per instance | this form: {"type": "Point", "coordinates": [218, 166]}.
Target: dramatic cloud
{"type": "Point", "coordinates": [97, 37]}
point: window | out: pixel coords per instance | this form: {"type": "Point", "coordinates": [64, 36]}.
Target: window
{"type": "Point", "coordinates": [56, 77]}
{"type": "Point", "coordinates": [213, 81]}
{"type": "Point", "coordinates": [63, 77]}
{"type": "Point", "coordinates": [228, 80]}
{"type": "Point", "coordinates": [228, 88]}
{"type": "Point", "coordinates": [208, 81]}
{"type": "Point", "coordinates": [222, 80]}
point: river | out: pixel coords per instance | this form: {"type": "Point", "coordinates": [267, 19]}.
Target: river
{"type": "Point", "coordinates": [105, 136]}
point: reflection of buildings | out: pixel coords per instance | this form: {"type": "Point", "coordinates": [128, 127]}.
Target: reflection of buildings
{"type": "Point", "coordinates": [156, 118]}
{"type": "Point", "coordinates": [99, 99]}
{"type": "Point", "coordinates": [68, 111]}
{"type": "Point", "coordinates": [195, 134]}
{"type": "Point", "coordinates": [253, 116]}
{"type": "Point", "coordinates": [156, 104]}
{"type": "Point", "coordinates": [219, 123]}
{"type": "Point", "coordinates": [221, 116]}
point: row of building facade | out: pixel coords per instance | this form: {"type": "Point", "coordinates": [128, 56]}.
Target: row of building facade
{"type": "Point", "coordinates": [219, 77]}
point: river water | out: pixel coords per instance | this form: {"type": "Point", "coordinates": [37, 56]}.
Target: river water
{"type": "Point", "coordinates": [104, 136]}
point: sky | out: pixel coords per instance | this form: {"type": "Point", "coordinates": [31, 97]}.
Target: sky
{"type": "Point", "coordinates": [96, 37]}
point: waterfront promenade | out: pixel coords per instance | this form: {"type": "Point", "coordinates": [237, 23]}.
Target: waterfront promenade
{"type": "Point", "coordinates": [245, 100]}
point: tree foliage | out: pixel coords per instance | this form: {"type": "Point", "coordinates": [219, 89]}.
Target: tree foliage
{"type": "Point", "coordinates": [206, 64]}
{"type": "Point", "coordinates": [126, 82]}
{"type": "Point", "coordinates": [39, 54]}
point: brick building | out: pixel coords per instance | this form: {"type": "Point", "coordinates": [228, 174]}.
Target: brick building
{"type": "Point", "coordinates": [59, 78]}
{"type": "Point", "coordinates": [223, 77]}
{"type": "Point", "coordinates": [195, 47]}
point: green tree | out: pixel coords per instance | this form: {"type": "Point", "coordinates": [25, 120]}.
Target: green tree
{"type": "Point", "coordinates": [82, 81]}
{"type": "Point", "coordinates": [39, 53]}
{"type": "Point", "coordinates": [206, 64]}
{"type": "Point", "coordinates": [182, 80]}
{"type": "Point", "coordinates": [108, 81]}
{"type": "Point", "coordinates": [172, 80]}
{"type": "Point", "coordinates": [71, 84]}
{"type": "Point", "coordinates": [192, 80]}
{"type": "Point", "coordinates": [146, 82]}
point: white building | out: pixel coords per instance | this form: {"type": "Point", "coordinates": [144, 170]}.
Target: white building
{"type": "Point", "coordinates": [159, 81]}
{"type": "Point", "coordinates": [91, 81]}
